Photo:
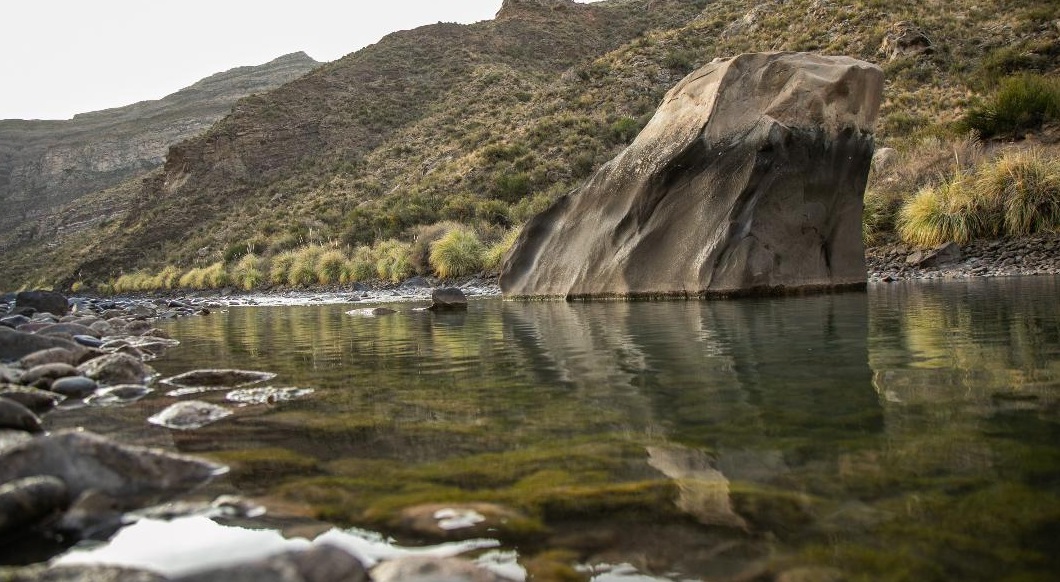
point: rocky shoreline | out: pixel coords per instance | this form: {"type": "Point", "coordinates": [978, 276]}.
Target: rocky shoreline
{"type": "Point", "coordinates": [63, 486]}
{"type": "Point", "coordinates": [1037, 255]}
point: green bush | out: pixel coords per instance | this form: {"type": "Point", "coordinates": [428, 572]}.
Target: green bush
{"type": "Point", "coordinates": [194, 278]}
{"type": "Point", "coordinates": [361, 267]}
{"type": "Point", "coordinates": [393, 260]}
{"type": "Point", "coordinates": [215, 276]}
{"type": "Point", "coordinates": [940, 214]}
{"type": "Point", "coordinates": [495, 254]}
{"type": "Point", "coordinates": [248, 272]}
{"type": "Point", "coordinates": [280, 268]}
{"type": "Point", "coordinates": [423, 237]}
{"type": "Point", "coordinates": [330, 266]}
{"type": "Point", "coordinates": [167, 278]}
{"type": "Point", "coordinates": [304, 267]}
{"type": "Point", "coordinates": [1021, 103]}
{"type": "Point", "coordinates": [1024, 190]}
{"type": "Point", "coordinates": [458, 253]}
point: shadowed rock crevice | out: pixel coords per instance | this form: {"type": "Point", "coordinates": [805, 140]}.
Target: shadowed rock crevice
{"type": "Point", "coordinates": [749, 179]}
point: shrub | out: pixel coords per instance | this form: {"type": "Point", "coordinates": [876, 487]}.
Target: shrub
{"type": "Point", "coordinates": [495, 254]}
{"type": "Point", "coordinates": [948, 212]}
{"type": "Point", "coordinates": [195, 278]}
{"type": "Point", "coordinates": [329, 266]}
{"type": "Point", "coordinates": [1020, 104]}
{"type": "Point", "coordinates": [131, 282]}
{"type": "Point", "coordinates": [167, 278]}
{"type": "Point", "coordinates": [423, 237]}
{"type": "Point", "coordinates": [247, 273]}
{"type": "Point", "coordinates": [393, 260]}
{"type": "Point", "coordinates": [458, 253]}
{"type": "Point", "coordinates": [215, 276]}
{"type": "Point", "coordinates": [280, 267]}
{"type": "Point", "coordinates": [361, 267]}
{"type": "Point", "coordinates": [1024, 188]}
{"type": "Point", "coordinates": [304, 267]}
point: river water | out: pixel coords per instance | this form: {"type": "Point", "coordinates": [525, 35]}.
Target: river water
{"type": "Point", "coordinates": [911, 432]}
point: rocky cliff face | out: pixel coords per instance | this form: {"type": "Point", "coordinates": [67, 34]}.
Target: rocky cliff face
{"type": "Point", "coordinates": [748, 179]}
{"type": "Point", "coordinates": [45, 164]}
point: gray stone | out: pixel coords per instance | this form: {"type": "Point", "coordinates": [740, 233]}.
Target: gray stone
{"type": "Point", "coordinates": [42, 301]}
{"type": "Point", "coordinates": [748, 179]}
{"type": "Point", "coordinates": [84, 573]}
{"type": "Point", "coordinates": [13, 321]}
{"type": "Point", "coordinates": [70, 329]}
{"type": "Point", "coordinates": [445, 298]}
{"type": "Point", "coordinates": [17, 344]}
{"type": "Point", "coordinates": [15, 416]}
{"type": "Point", "coordinates": [26, 502]}
{"type": "Point", "coordinates": [9, 375]}
{"type": "Point", "coordinates": [941, 255]}
{"type": "Point", "coordinates": [74, 386]}
{"type": "Point", "coordinates": [320, 563]}
{"type": "Point", "coordinates": [121, 394]}
{"type": "Point", "coordinates": [113, 369]}
{"type": "Point", "coordinates": [10, 438]}
{"type": "Point", "coordinates": [429, 569]}
{"type": "Point", "coordinates": [49, 356]}
{"type": "Point", "coordinates": [36, 400]}
{"type": "Point", "coordinates": [135, 476]}
{"type": "Point", "coordinates": [370, 312]}
{"type": "Point", "coordinates": [88, 341]}
{"type": "Point", "coordinates": [189, 415]}
{"type": "Point", "coordinates": [44, 375]}
{"type": "Point", "coordinates": [220, 378]}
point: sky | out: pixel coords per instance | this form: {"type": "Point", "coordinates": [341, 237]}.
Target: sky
{"type": "Point", "coordinates": [62, 57]}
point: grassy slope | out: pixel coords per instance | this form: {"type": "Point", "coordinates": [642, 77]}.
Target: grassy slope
{"type": "Point", "coordinates": [485, 123]}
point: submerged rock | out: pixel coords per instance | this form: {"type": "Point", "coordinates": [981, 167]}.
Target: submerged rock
{"type": "Point", "coordinates": [370, 312]}
{"type": "Point", "coordinates": [218, 378]}
{"type": "Point", "coordinates": [112, 369]}
{"type": "Point", "coordinates": [189, 415]}
{"type": "Point", "coordinates": [86, 461]}
{"type": "Point", "coordinates": [446, 298]}
{"type": "Point", "coordinates": [320, 563]}
{"type": "Point", "coordinates": [26, 502]}
{"type": "Point", "coordinates": [15, 416]}
{"type": "Point", "coordinates": [749, 179]}
{"type": "Point", "coordinates": [36, 400]}
{"type": "Point", "coordinates": [266, 395]}
{"type": "Point", "coordinates": [428, 569]}
{"type": "Point", "coordinates": [120, 394]}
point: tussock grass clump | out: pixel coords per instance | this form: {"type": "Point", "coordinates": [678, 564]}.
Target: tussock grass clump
{"type": "Point", "coordinates": [280, 267]}
{"type": "Point", "coordinates": [304, 267]}
{"type": "Point", "coordinates": [878, 217]}
{"type": "Point", "coordinates": [494, 255]}
{"type": "Point", "coordinates": [360, 267]}
{"type": "Point", "coordinates": [1016, 195]}
{"type": "Point", "coordinates": [423, 237]}
{"type": "Point", "coordinates": [935, 215]}
{"type": "Point", "coordinates": [1024, 188]}
{"type": "Point", "coordinates": [215, 276]}
{"type": "Point", "coordinates": [131, 282]}
{"type": "Point", "coordinates": [330, 266]}
{"type": "Point", "coordinates": [167, 278]}
{"type": "Point", "coordinates": [194, 278]}
{"type": "Point", "coordinates": [458, 253]}
{"type": "Point", "coordinates": [1020, 104]}
{"type": "Point", "coordinates": [248, 273]}
{"type": "Point", "coordinates": [393, 260]}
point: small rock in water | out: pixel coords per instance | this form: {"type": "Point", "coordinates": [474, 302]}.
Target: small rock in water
{"type": "Point", "coordinates": [70, 329]}
{"type": "Point", "coordinates": [266, 395]}
{"type": "Point", "coordinates": [36, 400]}
{"type": "Point", "coordinates": [15, 416]}
{"type": "Point", "coordinates": [42, 301]}
{"type": "Point", "coordinates": [26, 502]}
{"type": "Point", "coordinates": [447, 298]}
{"type": "Point", "coordinates": [189, 415]}
{"type": "Point", "coordinates": [44, 375]}
{"type": "Point", "coordinates": [430, 569]}
{"type": "Point", "coordinates": [218, 378]}
{"type": "Point", "coordinates": [370, 312]}
{"type": "Point", "coordinates": [88, 341]}
{"type": "Point", "coordinates": [121, 394]}
{"type": "Point", "coordinates": [113, 369]}
{"type": "Point", "coordinates": [86, 461]}
{"type": "Point", "coordinates": [49, 356]}
{"type": "Point", "coordinates": [74, 386]}
{"type": "Point", "coordinates": [319, 563]}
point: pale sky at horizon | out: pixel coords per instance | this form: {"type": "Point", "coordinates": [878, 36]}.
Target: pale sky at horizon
{"type": "Point", "coordinates": [63, 57]}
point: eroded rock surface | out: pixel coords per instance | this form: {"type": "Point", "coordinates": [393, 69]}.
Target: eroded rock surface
{"type": "Point", "coordinates": [749, 178]}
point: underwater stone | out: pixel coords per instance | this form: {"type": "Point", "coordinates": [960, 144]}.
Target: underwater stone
{"type": "Point", "coordinates": [189, 415]}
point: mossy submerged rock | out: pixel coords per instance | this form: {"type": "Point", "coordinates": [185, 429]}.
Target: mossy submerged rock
{"type": "Point", "coordinates": [749, 178]}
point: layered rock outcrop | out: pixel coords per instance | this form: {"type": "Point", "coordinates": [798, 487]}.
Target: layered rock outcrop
{"type": "Point", "coordinates": [748, 179]}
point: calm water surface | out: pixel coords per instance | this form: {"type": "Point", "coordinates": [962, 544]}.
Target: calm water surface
{"type": "Point", "coordinates": [908, 433]}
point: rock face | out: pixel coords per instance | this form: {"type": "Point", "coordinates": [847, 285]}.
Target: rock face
{"type": "Point", "coordinates": [45, 164]}
{"type": "Point", "coordinates": [749, 179]}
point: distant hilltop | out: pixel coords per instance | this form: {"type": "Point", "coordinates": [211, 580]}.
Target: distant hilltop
{"type": "Point", "coordinates": [47, 163]}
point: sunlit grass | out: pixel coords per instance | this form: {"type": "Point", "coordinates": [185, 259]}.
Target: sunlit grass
{"type": "Point", "coordinates": [458, 253]}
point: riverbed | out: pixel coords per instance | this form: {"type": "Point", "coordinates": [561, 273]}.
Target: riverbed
{"type": "Point", "coordinates": [907, 432]}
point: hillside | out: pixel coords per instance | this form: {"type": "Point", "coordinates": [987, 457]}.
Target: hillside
{"type": "Point", "coordinates": [483, 124]}
{"type": "Point", "coordinates": [45, 164]}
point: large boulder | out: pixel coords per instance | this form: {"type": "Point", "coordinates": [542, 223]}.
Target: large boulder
{"type": "Point", "coordinates": [17, 344]}
{"type": "Point", "coordinates": [42, 301]}
{"type": "Point", "coordinates": [749, 179]}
